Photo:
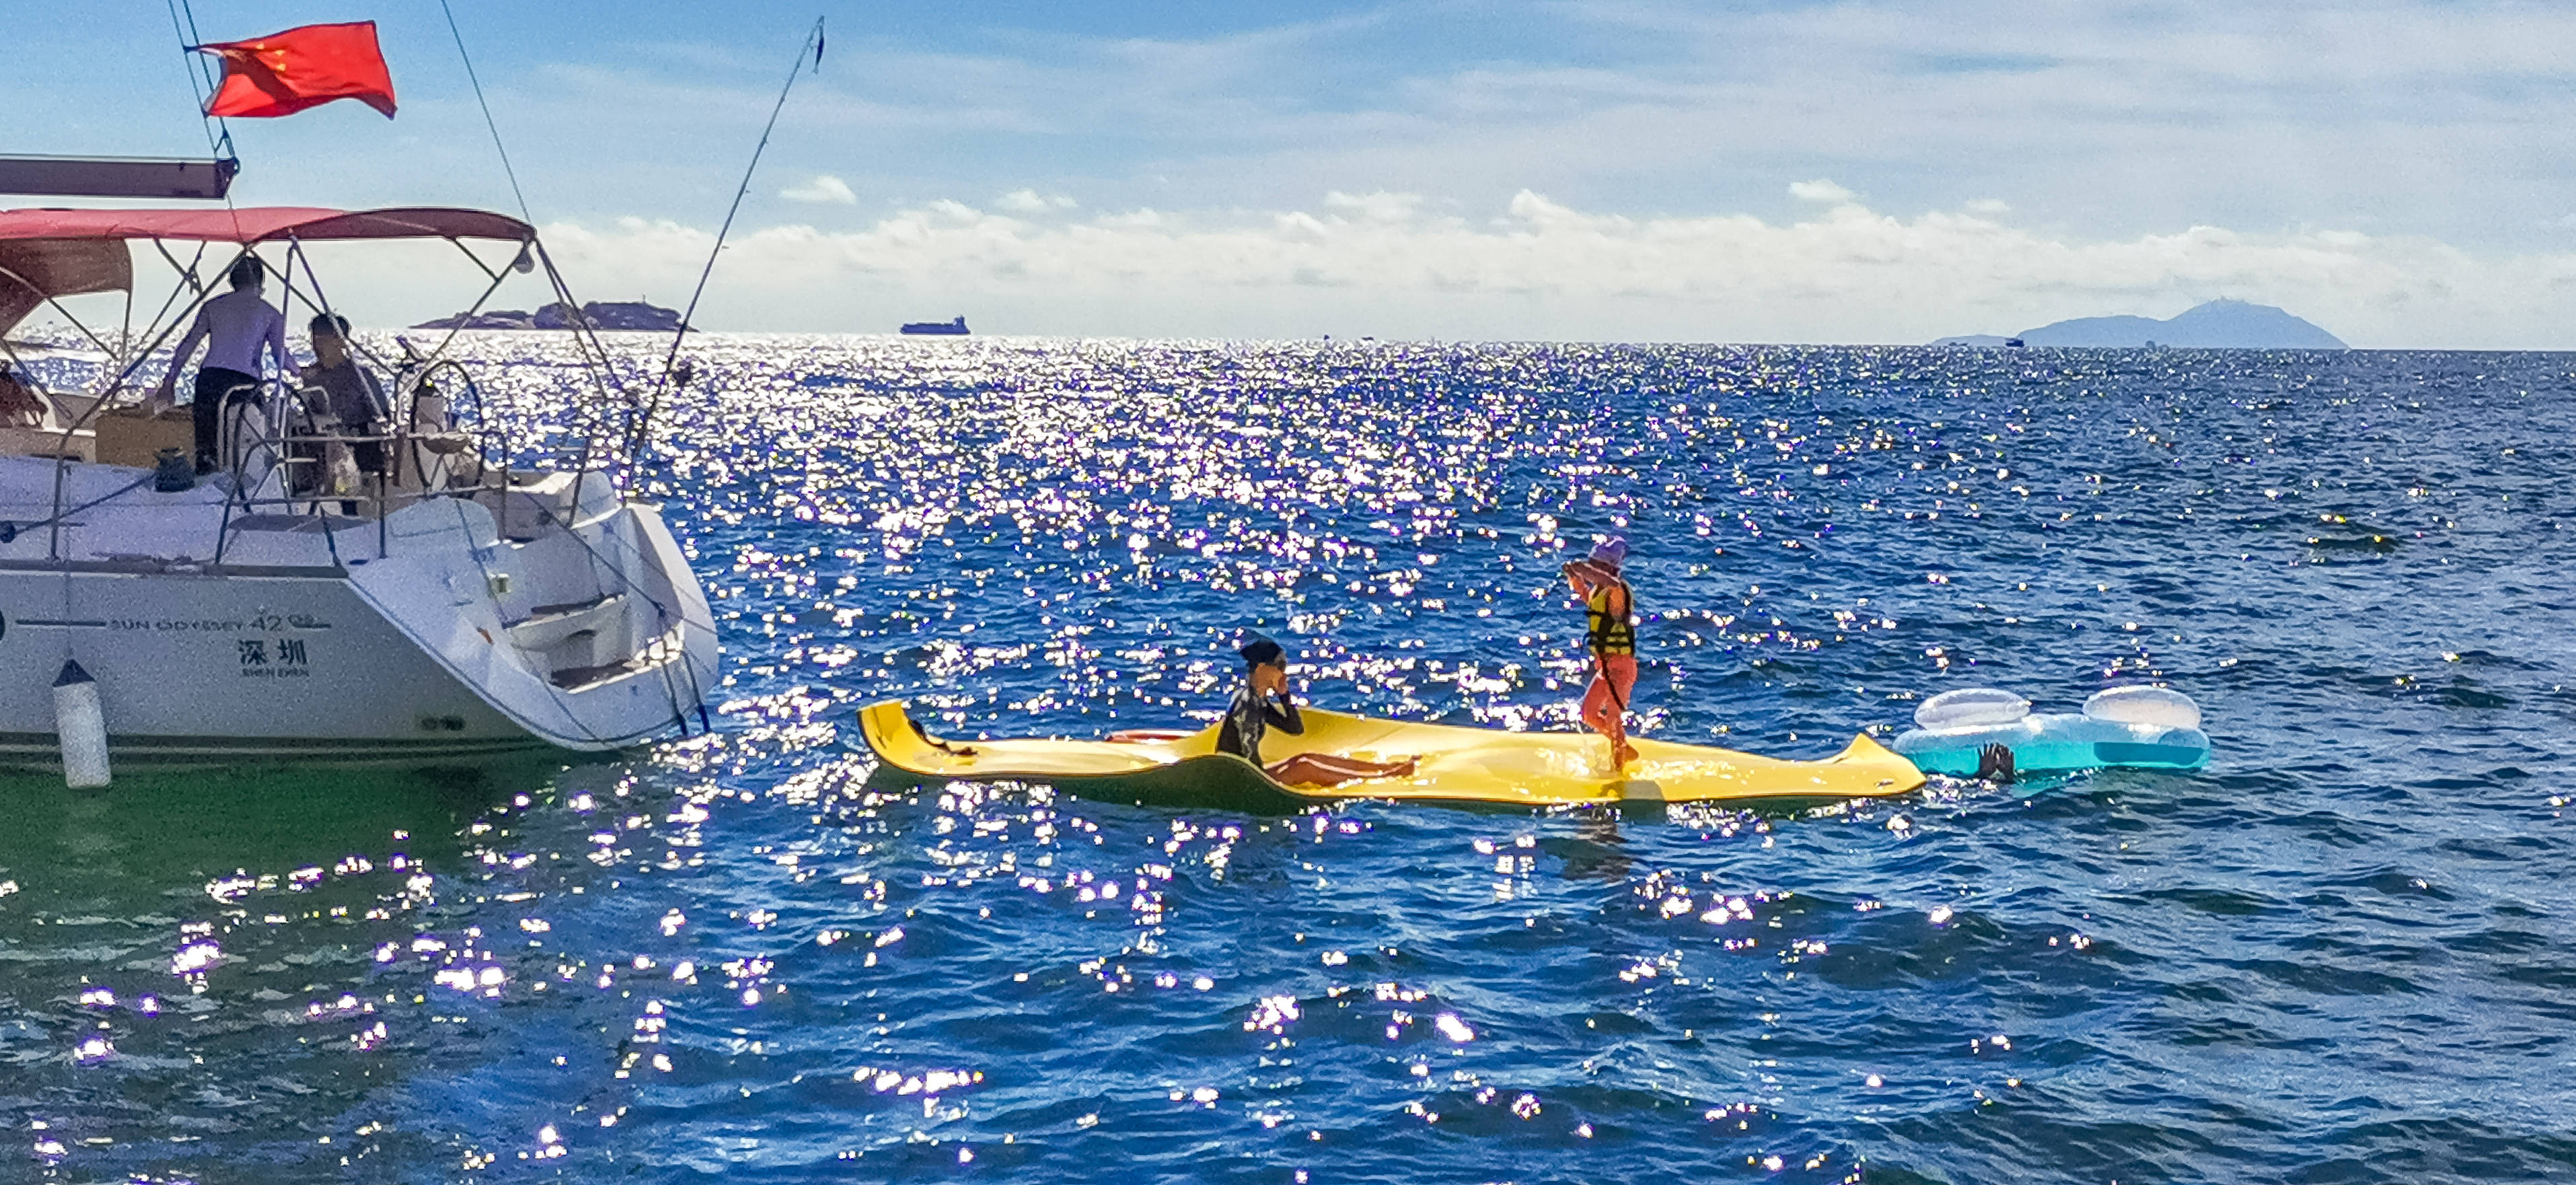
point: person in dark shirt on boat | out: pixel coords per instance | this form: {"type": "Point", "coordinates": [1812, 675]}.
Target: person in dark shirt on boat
{"type": "Point", "coordinates": [1610, 632]}
{"type": "Point", "coordinates": [1263, 703]}
{"type": "Point", "coordinates": [352, 398]}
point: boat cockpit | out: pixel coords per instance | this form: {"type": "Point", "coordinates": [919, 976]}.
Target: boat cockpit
{"type": "Point", "coordinates": [283, 462]}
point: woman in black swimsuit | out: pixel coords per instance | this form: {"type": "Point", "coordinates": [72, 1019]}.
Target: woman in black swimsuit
{"type": "Point", "coordinates": [1263, 704]}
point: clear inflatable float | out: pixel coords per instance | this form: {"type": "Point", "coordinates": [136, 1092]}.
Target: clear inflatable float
{"type": "Point", "coordinates": [2138, 727]}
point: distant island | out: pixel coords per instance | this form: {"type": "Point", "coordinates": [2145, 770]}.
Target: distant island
{"type": "Point", "coordinates": [598, 314]}
{"type": "Point", "coordinates": [2217, 325]}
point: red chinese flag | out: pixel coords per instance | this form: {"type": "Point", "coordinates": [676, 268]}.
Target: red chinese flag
{"type": "Point", "coordinates": [284, 73]}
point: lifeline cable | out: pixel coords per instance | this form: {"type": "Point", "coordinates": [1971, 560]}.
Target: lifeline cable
{"type": "Point", "coordinates": [9, 531]}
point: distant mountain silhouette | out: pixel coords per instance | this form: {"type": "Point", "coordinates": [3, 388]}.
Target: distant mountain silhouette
{"type": "Point", "coordinates": [2218, 325]}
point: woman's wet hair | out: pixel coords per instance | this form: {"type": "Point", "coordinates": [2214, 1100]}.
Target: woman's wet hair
{"type": "Point", "coordinates": [1262, 652]}
{"type": "Point", "coordinates": [332, 324]}
{"type": "Point", "coordinates": [248, 270]}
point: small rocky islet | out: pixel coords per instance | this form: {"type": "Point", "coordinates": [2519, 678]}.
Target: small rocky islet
{"type": "Point", "coordinates": [604, 315]}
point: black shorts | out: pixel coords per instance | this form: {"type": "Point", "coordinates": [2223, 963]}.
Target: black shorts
{"type": "Point", "coordinates": [217, 388]}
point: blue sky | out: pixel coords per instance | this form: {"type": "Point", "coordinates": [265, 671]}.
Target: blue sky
{"type": "Point", "coordinates": [2395, 170]}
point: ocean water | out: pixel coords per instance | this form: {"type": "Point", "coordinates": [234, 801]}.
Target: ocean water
{"type": "Point", "coordinates": [2343, 952]}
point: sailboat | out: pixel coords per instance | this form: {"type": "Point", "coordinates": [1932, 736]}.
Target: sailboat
{"type": "Point", "coordinates": [471, 600]}
{"type": "Point", "coordinates": [481, 588]}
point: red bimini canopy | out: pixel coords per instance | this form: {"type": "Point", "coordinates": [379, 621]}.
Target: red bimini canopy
{"type": "Point", "coordinates": [51, 253]}
{"type": "Point", "coordinates": [261, 224]}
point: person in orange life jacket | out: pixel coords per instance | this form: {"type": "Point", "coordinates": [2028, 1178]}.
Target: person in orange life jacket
{"type": "Point", "coordinates": [1610, 632]}
{"type": "Point", "coordinates": [1263, 703]}
{"type": "Point", "coordinates": [238, 328]}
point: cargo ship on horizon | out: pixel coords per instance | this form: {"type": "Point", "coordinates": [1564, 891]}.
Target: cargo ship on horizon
{"type": "Point", "coordinates": [955, 328]}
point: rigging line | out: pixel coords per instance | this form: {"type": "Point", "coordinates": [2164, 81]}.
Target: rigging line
{"type": "Point", "coordinates": [814, 46]}
{"type": "Point", "coordinates": [206, 70]}
{"type": "Point", "coordinates": [196, 39]}
{"type": "Point", "coordinates": [196, 78]}
{"type": "Point", "coordinates": [497, 146]}
{"type": "Point", "coordinates": [13, 529]}
{"type": "Point", "coordinates": [596, 361]}
{"type": "Point", "coordinates": [219, 139]}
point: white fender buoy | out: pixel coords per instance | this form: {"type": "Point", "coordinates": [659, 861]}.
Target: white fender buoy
{"type": "Point", "coordinates": [81, 727]}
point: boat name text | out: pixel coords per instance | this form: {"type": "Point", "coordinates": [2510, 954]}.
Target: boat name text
{"type": "Point", "coordinates": [264, 623]}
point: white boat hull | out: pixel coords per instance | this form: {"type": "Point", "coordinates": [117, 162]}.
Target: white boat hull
{"type": "Point", "coordinates": [446, 634]}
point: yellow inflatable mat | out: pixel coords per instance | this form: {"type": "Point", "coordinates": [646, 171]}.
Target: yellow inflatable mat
{"type": "Point", "coordinates": [1452, 765]}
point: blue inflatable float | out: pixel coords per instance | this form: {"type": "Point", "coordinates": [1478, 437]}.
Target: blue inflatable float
{"type": "Point", "coordinates": [2140, 727]}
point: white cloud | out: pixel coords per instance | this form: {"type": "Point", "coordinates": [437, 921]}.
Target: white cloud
{"type": "Point", "coordinates": [823, 188]}
{"type": "Point", "coordinates": [1537, 268]}
{"type": "Point", "coordinates": [1380, 206]}
{"type": "Point", "coordinates": [1299, 226]}
{"type": "Point", "coordinates": [1988, 206]}
{"type": "Point", "coordinates": [1545, 269]}
{"type": "Point", "coordinates": [1820, 190]}
{"type": "Point", "coordinates": [1030, 201]}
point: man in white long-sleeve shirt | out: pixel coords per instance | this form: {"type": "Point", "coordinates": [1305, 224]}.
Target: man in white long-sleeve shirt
{"type": "Point", "coordinates": [237, 327]}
